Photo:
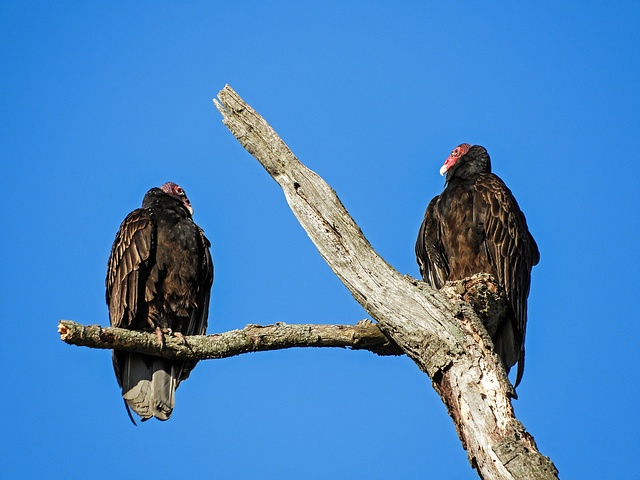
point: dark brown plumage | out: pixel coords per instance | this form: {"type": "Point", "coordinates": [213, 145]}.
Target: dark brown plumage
{"type": "Point", "coordinates": [475, 226]}
{"type": "Point", "coordinates": [159, 278]}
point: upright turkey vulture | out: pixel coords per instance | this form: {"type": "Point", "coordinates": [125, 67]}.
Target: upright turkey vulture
{"type": "Point", "coordinates": [159, 278]}
{"type": "Point", "coordinates": [475, 226]}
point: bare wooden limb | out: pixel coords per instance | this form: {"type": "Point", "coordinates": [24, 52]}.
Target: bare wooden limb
{"type": "Point", "coordinates": [252, 338]}
{"type": "Point", "coordinates": [445, 339]}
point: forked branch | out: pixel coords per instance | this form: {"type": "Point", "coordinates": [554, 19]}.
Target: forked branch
{"type": "Point", "coordinates": [445, 339]}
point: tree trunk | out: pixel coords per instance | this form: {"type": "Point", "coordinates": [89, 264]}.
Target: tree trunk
{"type": "Point", "coordinates": [446, 340]}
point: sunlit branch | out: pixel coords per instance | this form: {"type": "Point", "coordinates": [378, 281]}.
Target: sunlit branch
{"type": "Point", "coordinates": [252, 338]}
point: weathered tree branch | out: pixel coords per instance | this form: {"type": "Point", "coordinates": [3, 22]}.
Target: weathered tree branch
{"type": "Point", "coordinates": [252, 338]}
{"type": "Point", "coordinates": [446, 340]}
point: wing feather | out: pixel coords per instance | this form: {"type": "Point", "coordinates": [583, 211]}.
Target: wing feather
{"type": "Point", "coordinates": [198, 320]}
{"type": "Point", "coordinates": [204, 293]}
{"type": "Point", "coordinates": [434, 267]}
{"type": "Point", "coordinates": [128, 266]}
{"type": "Point", "coordinates": [512, 250]}
{"type": "Point", "coordinates": [197, 324]}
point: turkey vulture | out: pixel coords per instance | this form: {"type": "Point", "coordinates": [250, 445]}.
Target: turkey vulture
{"type": "Point", "coordinates": [159, 278]}
{"type": "Point", "coordinates": [475, 226]}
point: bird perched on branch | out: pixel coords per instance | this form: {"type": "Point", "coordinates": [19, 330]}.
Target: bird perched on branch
{"type": "Point", "coordinates": [159, 278]}
{"type": "Point", "coordinates": [475, 226]}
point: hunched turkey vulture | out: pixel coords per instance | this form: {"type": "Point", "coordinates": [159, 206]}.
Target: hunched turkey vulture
{"type": "Point", "coordinates": [159, 278]}
{"type": "Point", "coordinates": [475, 226]}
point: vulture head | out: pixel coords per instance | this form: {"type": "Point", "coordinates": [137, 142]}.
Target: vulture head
{"type": "Point", "coordinates": [177, 192]}
{"type": "Point", "coordinates": [466, 162]}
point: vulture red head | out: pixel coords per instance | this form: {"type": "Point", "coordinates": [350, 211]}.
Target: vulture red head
{"type": "Point", "coordinates": [458, 152]}
{"type": "Point", "coordinates": [178, 192]}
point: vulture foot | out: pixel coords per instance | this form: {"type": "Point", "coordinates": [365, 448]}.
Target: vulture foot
{"type": "Point", "coordinates": [180, 337]}
{"type": "Point", "coordinates": [160, 334]}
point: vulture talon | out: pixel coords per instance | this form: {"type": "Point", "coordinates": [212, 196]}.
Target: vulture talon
{"type": "Point", "coordinates": [160, 336]}
{"type": "Point", "coordinates": [180, 337]}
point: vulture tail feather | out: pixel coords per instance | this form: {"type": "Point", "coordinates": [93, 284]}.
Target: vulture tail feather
{"type": "Point", "coordinates": [148, 386]}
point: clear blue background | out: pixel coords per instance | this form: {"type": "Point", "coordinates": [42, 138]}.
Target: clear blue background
{"type": "Point", "coordinates": [102, 102]}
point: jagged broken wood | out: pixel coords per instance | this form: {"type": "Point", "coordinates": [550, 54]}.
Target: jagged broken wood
{"type": "Point", "coordinates": [446, 340]}
{"type": "Point", "coordinates": [252, 338]}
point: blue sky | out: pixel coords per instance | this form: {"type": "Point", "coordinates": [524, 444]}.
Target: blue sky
{"type": "Point", "coordinates": [102, 102]}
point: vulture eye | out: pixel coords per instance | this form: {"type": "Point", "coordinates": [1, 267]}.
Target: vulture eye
{"type": "Point", "coordinates": [179, 191]}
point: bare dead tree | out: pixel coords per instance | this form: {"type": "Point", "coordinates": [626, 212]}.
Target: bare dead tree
{"type": "Point", "coordinates": [441, 333]}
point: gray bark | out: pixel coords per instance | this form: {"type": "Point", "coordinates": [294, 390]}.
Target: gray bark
{"type": "Point", "coordinates": [253, 338]}
{"type": "Point", "coordinates": [445, 339]}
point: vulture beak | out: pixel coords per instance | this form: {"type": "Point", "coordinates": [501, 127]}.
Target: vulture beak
{"type": "Point", "coordinates": [448, 164]}
{"type": "Point", "coordinates": [187, 205]}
